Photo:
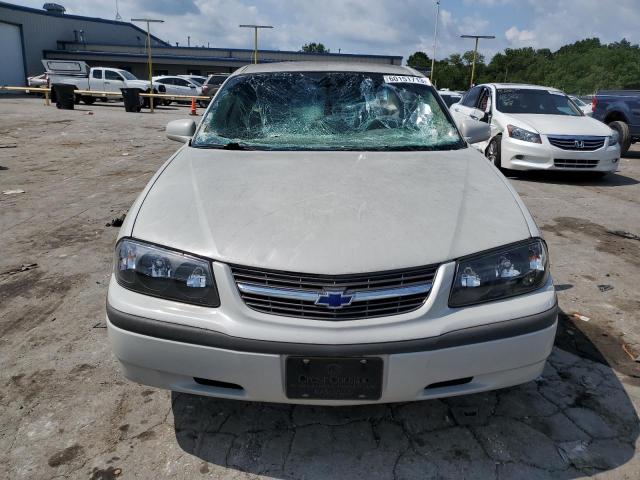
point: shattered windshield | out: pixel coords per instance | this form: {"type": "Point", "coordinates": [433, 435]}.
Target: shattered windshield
{"type": "Point", "coordinates": [327, 111]}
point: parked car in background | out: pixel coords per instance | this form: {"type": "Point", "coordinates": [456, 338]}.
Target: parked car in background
{"type": "Point", "coordinates": [213, 83]}
{"type": "Point", "coordinates": [38, 81]}
{"type": "Point", "coordinates": [177, 85]}
{"type": "Point", "coordinates": [199, 79]}
{"type": "Point", "coordinates": [583, 106]}
{"type": "Point", "coordinates": [538, 128]}
{"type": "Point", "coordinates": [450, 97]}
{"type": "Point", "coordinates": [98, 79]}
{"type": "Point", "coordinates": [620, 109]}
{"type": "Point", "coordinates": [327, 236]}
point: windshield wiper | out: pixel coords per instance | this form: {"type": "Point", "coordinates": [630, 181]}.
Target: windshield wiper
{"type": "Point", "coordinates": [235, 146]}
{"type": "Point", "coordinates": [226, 146]}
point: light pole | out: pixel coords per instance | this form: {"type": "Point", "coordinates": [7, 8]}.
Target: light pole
{"type": "Point", "coordinates": [435, 41]}
{"type": "Point", "coordinates": [475, 52]}
{"type": "Point", "coordinates": [148, 21]}
{"type": "Point", "coordinates": [255, 38]}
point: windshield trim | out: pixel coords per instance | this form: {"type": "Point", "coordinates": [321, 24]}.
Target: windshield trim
{"type": "Point", "coordinates": [458, 145]}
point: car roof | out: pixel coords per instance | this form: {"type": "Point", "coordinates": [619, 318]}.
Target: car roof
{"type": "Point", "coordinates": [327, 67]}
{"type": "Point", "coordinates": [183, 77]}
{"type": "Point", "coordinates": [524, 86]}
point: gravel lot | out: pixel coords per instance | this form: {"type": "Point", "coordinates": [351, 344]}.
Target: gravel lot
{"type": "Point", "coordinates": [65, 411]}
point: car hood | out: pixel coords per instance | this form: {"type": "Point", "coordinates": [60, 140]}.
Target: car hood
{"type": "Point", "coordinates": [561, 124]}
{"type": "Point", "coordinates": [330, 212]}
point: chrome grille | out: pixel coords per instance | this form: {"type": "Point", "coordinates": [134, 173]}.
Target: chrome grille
{"type": "Point", "coordinates": [575, 163]}
{"type": "Point", "coordinates": [256, 284]}
{"type": "Point", "coordinates": [577, 142]}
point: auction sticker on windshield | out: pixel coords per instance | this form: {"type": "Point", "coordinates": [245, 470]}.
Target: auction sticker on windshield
{"type": "Point", "coordinates": [406, 79]}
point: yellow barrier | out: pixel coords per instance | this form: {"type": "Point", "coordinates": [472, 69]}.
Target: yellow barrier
{"type": "Point", "coordinates": [47, 93]}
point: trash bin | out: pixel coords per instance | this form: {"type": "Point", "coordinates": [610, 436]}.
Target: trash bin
{"type": "Point", "coordinates": [131, 99]}
{"type": "Point", "coordinates": [64, 95]}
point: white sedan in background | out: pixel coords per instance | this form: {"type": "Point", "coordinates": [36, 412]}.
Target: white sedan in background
{"type": "Point", "coordinates": [538, 128]}
{"type": "Point", "coordinates": [177, 85]}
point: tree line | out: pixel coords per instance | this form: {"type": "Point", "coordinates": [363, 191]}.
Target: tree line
{"type": "Point", "coordinates": [580, 68]}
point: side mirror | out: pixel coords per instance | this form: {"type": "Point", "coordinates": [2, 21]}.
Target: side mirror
{"type": "Point", "coordinates": [474, 131]}
{"type": "Point", "coordinates": [181, 130]}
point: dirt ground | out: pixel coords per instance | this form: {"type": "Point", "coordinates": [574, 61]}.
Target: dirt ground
{"type": "Point", "coordinates": [65, 410]}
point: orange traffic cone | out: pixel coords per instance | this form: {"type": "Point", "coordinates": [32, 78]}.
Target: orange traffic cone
{"type": "Point", "coordinates": [193, 106]}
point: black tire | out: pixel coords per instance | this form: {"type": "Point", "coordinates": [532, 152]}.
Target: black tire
{"type": "Point", "coordinates": [88, 100]}
{"type": "Point", "coordinates": [166, 103]}
{"type": "Point", "coordinates": [104, 99]}
{"type": "Point", "coordinates": [156, 100]}
{"type": "Point", "coordinates": [493, 151]}
{"type": "Point", "coordinates": [624, 135]}
{"type": "Point", "coordinates": [202, 103]}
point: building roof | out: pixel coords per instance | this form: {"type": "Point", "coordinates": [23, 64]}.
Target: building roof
{"type": "Point", "coordinates": [327, 67]}
{"type": "Point", "coordinates": [38, 11]}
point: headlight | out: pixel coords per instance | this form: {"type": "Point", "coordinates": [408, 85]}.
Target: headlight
{"type": "Point", "coordinates": [501, 273]}
{"type": "Point", "coordinates": [614, 138]}
{"type": "Point", "coordinates": [164, 273]}
{"type": "Point", "coordinates": [522, 134]}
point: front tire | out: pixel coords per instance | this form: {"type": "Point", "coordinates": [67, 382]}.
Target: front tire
{"type": "Point", "coordinates": [624, 135]}
{"type": "Point", "coordinates": [88, 100]}
{"type": "Point", "coordinates": [493, 152]}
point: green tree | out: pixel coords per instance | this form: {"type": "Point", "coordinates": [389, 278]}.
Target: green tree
{"type": "Point", "coordinates": [419, 61]}
{"type": "Point", "coordinates": [314, 47]}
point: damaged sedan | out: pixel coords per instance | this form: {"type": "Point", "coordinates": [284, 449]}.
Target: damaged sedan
{"type": "Point", "coordinates": [327, 236]}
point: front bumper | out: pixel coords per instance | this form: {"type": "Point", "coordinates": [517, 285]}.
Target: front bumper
{"type": "Point", "coordinates": [520, 155]}
{"type": "Point", "coordinates": [258, 375]}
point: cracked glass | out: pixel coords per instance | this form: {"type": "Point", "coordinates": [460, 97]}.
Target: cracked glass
{"type": "Point", "coordinates": [327, 111]}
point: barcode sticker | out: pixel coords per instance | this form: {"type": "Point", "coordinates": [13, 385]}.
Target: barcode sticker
{"type": "Point", "coordinates": [406, 79]}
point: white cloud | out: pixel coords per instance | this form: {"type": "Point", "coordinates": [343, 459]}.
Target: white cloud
{"type": "Point", "coordinates": [520, 37]}
{"type": "Point", "coordinates": [557, 22]}
{"type": "Point", "coordinates": [376, 26]}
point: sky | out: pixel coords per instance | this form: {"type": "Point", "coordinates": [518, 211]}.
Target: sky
{"type": "Point", "coordinates": [391, 27]}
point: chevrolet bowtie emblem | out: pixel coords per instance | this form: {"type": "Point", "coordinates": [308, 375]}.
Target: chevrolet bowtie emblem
{"type": "Point", "coordinates": [334, 299]}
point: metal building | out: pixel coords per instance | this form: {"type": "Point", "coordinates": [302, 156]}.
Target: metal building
{"type": "Point", "coordinates": [28, 35]}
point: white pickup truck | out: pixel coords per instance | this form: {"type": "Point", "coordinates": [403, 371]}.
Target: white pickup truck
{"type": "Point", "coordinates": [96, 79]}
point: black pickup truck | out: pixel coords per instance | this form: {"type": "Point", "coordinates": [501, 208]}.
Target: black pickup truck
{"type": "Point", "coordinates": [620, 109]}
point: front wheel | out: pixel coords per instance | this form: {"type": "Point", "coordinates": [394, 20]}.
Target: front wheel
{"type": "Point", "coordinates": [493, 153]}
{"type": "Point", "coordinates": [624, 135]}
{"type": "Point", "coordinates": [88, 100]}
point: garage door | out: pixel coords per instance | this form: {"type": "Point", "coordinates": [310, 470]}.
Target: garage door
{"type": "Point", "coordinates": [12, 59]}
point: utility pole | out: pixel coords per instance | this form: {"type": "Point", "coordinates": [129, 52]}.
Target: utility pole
{"type": "Point", "coordinates": [475, 52]}
{"type": "Point", "coordinates": [255, 38]}
{"type": "Point", "coordinates": [188, 41]}
{"type": "Point", "coordinates": [148, 21]}
{"type": "Point", "coordinates": [435, 42]}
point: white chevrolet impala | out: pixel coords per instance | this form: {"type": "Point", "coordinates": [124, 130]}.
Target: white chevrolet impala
{"type": "Point", "coordinates": [538, 128]}
{"type": "Point", "coordinates": [326, 235]}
